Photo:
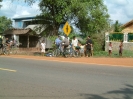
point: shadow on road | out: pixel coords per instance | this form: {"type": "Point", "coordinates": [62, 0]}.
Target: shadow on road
{"type": "Point", "coordinates": [126, 93]}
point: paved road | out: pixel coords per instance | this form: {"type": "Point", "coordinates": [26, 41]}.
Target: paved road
{"type": "Point", "coordinates": [41, 79]}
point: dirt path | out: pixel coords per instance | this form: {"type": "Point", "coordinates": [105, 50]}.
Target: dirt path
{"type": "Point", "coordinates": [101, 61]}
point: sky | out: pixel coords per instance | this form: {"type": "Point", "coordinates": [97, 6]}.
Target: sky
{"type": "Point", "coordinates": [120, 10]}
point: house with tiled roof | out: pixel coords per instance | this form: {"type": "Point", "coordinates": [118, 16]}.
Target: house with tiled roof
{"type": "Point", "coordinates": [126, 36]}
{"type": "Point", "coordinates": [128, 27]}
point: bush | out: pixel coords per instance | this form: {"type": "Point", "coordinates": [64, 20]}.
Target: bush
{"type": "Point", "coordinates": [98, 42]}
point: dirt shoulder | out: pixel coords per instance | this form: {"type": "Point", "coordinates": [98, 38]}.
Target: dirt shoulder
{"type": "Point", "coordinates": [101, 61]}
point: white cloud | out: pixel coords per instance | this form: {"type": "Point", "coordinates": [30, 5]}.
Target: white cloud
{"type": "Point", "coordinates": [16, 15]}
{"type": "Point", "coordinates": [120, 10]}
{"type": "Point", "coordinates": [129, 8]}
{"type": "Point", "coordinates": [25, 13]}
{"type": "Point", "coordinates": [117, 2]}
{"type": "Point", "coordinates": [14, 9]}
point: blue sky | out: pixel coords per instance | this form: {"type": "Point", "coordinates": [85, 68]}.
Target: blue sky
{"type": "Point", "coordinates": [120, 10]}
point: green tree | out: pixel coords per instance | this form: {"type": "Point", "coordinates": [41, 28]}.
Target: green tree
{"type": "Point", "coordinates": [90, 16]}
{"type": "Point", "coordinates": [5, 24]}
{"type": "Point", "coordinates": [0, 5]}
{"type": "Point", "coordinates": [117, 27]}
{"type": "Point", "coordinates": [97, 19]}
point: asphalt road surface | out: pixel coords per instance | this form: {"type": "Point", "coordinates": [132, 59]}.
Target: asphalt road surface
{"type": "Point", "coordinates": [40, 79]}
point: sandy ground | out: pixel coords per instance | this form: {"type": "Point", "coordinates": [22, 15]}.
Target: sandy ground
{"type": "Point", "coordinates": [101, 61]}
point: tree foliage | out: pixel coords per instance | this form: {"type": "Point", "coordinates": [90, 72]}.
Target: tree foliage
{"type": "Point", "coordinates": [0, 5]}
{"type": "Point", "coordinates": [117, 27]}
{"type": "Point", "coordinates": [5, 23]}
{"type": "Point", "coordinates": [97, 18]}
{"type": "Point", "coordinates": [90, 16]}
{"type": "Point", "coordinates": [30, 2]}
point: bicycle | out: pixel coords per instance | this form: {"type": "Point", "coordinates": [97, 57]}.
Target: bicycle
{"type": "Point", "coordinates": [57, 51]}
{"type": "Point", "coordinates": [67, 52]}
{"type": "Point", "coordinates": [6, 49]}
{"type": "Point", "coordinates": [76, 51]}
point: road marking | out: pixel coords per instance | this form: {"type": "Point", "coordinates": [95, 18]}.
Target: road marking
{"type": "Point", "coordinates": [8, 70]}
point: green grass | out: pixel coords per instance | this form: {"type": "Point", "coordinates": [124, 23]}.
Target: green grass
{"type": "Point", "coordinates": [115, 54]}
{"type": "Point", "coordinates": [127, 53]}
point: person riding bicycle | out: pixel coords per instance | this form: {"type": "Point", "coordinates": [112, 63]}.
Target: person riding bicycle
{"type": "Point", "coordinates": [58, 46]}
{"type": "Point", "coordinates": [65, 44]}
{"type": "Point", "coordinates": [6, 47]}
{"type": "Point", "coordinates": [58, 42]}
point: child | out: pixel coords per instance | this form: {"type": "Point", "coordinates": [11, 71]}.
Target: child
{"type": "Point", "coordinates": [110, 48]}
{"type": "Point", "coordinates": [77, 50]}
{"type": "Point", "coordinates": [91, 50]}
{"type": "Point", "coordinates": [120, 48]}
{"type": "Point", "coordinates": [82, 50]}
{"type": "Point", "coordinates": [43, 48]}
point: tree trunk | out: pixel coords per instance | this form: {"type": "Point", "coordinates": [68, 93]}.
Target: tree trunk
{"type": "Point", "coordinates": [55, 30]}
{"type": "Point", "coordinates": [28, 41]}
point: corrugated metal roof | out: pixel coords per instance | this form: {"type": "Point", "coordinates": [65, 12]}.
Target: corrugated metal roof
{"type": "Point", "coordinates": [28, 20]}
{"type": "Point", "coordinates": [38, 28]}
{"type": "Point", "coordinates": [19, 31]}
{"type": "Point", "coordinates": [24, 17]}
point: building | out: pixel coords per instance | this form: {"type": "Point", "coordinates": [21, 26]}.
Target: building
{"type": "Point", "coordinates": [26, 32]}
{"type": "Point", "coordinates": [23, 22]}
{"type": "Point", "coordinates": [126, 36]}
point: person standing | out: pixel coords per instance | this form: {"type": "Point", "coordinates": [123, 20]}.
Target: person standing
{"type": "Point", "coordinates": [121, 48]}
{"type": "Point", "coordinates": [43, 45]}
{"type": "Point", "coordinates": [82, 50]}
{"type": "Point", "coordinates": [88, 46]}
{"type": "Point", "coordinates": [71, 47]}
{"type": "Point", "coordinates": [74, 44]}
{"type": "Point", "coordinates": [91, 49]}
{"type": "Point", "coordinates": [110, 48]}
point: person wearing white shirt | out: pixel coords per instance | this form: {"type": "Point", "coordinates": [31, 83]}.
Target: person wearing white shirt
{"type": "Point", "coordinates": [43, 45]}
{"type": "Point", "coordinates": [74, 42]}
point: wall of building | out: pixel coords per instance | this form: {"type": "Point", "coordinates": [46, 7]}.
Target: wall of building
{"type": "Point", "coordinates": [126, 46]}
{"type": "Point", "coordinates": [47, 41]}
{"type": "Point", "coordinates": [22, 22]}
{"type": "Point", "coordinates": [18, 24]}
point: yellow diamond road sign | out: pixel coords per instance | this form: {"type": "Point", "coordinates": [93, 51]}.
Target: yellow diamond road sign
{"type": "Point", "coordinates": [67, 28]}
